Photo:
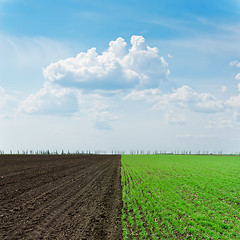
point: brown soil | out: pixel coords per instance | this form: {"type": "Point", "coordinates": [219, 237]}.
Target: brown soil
{"type": "Point", "coordinates": [60, 197]}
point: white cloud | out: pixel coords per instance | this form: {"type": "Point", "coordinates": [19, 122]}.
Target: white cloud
{"type": "Point", "coordinates": [234, 102]}
{"type": "Point", "coordinates": [65, 101]}
{"type": "Point", "coordinates": [79, 85]}
{"type": "Point", "coordinates": [232, 117]}
{"type": "Point", "coordinates": [98, 109]}
{"type": "Point", "coordinates": [186, 97]}
{"type": "Point", "coordinates": [115, 68]}
{"type": "Point", "coordinates": [183, 97]}
{"type": "Point", "coordinates": [229, 120]}
{"type": "Point", "coordinates": [51, 101]}
{"type": "Point", "coordinates": [235, 63]}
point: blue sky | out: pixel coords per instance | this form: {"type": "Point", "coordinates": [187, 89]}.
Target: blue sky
{"type": "Point", "coordinates": [122, 75]}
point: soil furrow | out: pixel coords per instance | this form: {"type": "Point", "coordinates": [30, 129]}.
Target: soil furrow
{"type": "Point", "coordinates": [44, 204]}
{"type": "Point", "coordinates": [71, 197]}
{"type": "Point", "coordinates": [32, 189]}
{"type": "Point", "coordinates": [68, 209]}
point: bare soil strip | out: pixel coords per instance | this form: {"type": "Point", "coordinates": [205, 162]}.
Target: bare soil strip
{"type": "Point", "coordinates": [60, 197]}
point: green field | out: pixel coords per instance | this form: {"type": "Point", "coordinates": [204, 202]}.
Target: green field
{"type": "Point", "coordinates": [181, 197]}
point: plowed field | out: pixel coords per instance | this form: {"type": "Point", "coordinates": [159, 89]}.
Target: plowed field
{"type": "Point", "coordinates": [60, 197]}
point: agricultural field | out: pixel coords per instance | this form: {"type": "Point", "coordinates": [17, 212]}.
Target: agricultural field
{"type": "Point", "coordinates": [60, 197]}
{"type": "Point", "coordinates": [77, 196]}
{"type": "Point", "coordinates": [180, 197]}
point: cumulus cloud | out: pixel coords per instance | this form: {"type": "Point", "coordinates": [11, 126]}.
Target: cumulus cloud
{"type": "Point", "coordinates": [51, 101]}
{"type": "Point", "coordinates": [234, 102]}
{"type": "Point", "coordinates": [183, 97]}
{"type": "Point", "coordinates": [75, 84]}
{"type": "Point", "coordinates": [139, 68]}
{"type": "Point", "coordinates": [66, 101]}
{"type": "Point", "coordinates": [115, 68]}
{"type": "Point", "coordinates": [186, 97]}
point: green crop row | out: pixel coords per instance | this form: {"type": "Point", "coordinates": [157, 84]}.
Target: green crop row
{"type": "Point", "coordinates": [180, 197]}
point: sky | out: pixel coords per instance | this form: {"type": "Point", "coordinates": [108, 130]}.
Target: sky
{"type": "Point", "coordinates": [120, 75]}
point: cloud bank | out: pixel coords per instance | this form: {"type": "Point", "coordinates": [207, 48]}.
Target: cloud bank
{"type": "Point", "coordinates": [138, 73]}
